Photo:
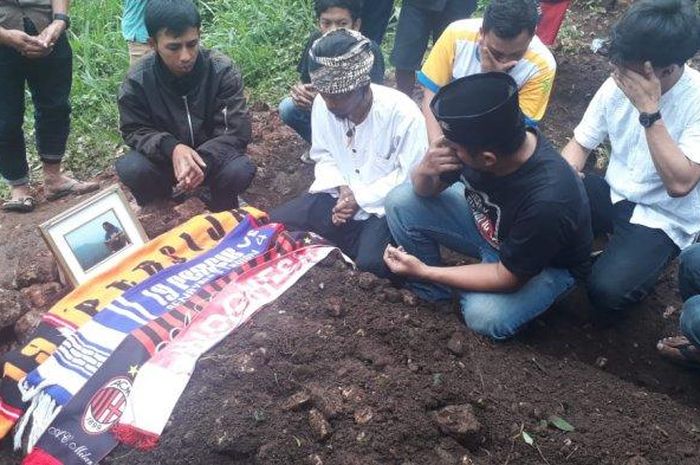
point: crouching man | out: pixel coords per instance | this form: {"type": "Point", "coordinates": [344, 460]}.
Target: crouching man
{"type": "Point", "coordinates": [184, 115]}
{"type": "Point", "coordinates": [495, 190]}
{"type": "Point", "coordinates": [366, 140]}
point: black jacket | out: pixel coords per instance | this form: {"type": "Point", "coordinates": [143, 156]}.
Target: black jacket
{"type": "Point", "coordinates": [205, 110]}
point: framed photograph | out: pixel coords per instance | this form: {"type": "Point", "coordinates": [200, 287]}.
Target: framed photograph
{"type": "Point", "coordinates": [93, 235]}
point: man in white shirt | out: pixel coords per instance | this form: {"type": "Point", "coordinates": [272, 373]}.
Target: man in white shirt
{"type": "Point", "coordinates": [366, 139]}
{"type": "Point", "coordinates": [650, 110]}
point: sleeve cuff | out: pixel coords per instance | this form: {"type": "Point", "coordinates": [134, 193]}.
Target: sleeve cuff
{"type": "Point", "coordinates": [426, 82]}
{"type": "Point", "coordinates": [531, 123]}
{"type": "Point", "coordinates": [586, 141]}
{"type": "Point", "coordinates": [167, 145]}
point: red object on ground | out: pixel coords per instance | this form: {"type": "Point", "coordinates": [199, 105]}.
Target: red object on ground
{"type": "Point", "coordinates": [552, 16]}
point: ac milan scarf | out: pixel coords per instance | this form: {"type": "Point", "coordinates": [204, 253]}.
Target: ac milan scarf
{"type": "Point", "coordinates": [75, 309]}
{"type": "Point", "coordinates": [52, 384]}
{"type": "Point", "coordinates": [79, 434]}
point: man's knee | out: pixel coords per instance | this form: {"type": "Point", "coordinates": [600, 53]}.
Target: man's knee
{"type": "Point", "coordinates": [237, 174]}
{"type": "Point", "coordinates": [690, 319]}
{"type": "Point", "coordinates": [487, 319]}
{"type": "Point", "coordinates": [689, 266]}
{"type": "Point", "coordinates": [399, 198]}
{"type": "Point", "coordinates": [373, 264]}
{"type": "Point", "coordinates": [609, 296]}
{"type": "Point", "coordinates": [132, 169]}
{"type": "Point", "coordinates": [287, 110]}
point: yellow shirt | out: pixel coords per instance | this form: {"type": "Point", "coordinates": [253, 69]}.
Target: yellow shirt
{"type": "Point", "coordinates": [456, 54]}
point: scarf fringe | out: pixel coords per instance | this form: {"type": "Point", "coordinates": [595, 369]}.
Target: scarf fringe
{"type": "Point", "coordinates": [40, 414]}
{"type": "Point", "coordinates": [40, 457]}
{"type": "Point", "coordinates": [134, 437]}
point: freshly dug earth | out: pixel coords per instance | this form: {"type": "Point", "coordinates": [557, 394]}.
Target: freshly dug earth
{"type": "Point", "coordinates": [344, 369]}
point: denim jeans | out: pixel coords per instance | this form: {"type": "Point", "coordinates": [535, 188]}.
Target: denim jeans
{"type": "Point", "coordinates": [49, 80]}
{"type": "Point", "coordinates": [689, 285]}
{"type": "Point", "coordinates": [296, 118]}
{"type": "Point", "coordinates": [421, 225]}
{"type": "Point", "coordinates": [627, 271]}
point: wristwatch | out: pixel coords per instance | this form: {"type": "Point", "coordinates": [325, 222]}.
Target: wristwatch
{"type": "Point", "coordinates": [64, 18]}
{"type": "Point", "coordinates": [647, 119]}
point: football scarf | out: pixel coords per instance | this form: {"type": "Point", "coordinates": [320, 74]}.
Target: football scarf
{"type": "Point", "coordinates": [52, 384]}
{"type": "Point", "coordinates": [75, 309]}
{"type": "Point", "coordinates": [80, 433]}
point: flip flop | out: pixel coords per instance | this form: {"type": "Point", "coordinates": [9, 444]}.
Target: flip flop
{"type": "Point", "coordinates": [21, 205]}
{"type": "Point", "coordinates": [72, 187]}
{"type": "Point", "coordinates": [688, 354]}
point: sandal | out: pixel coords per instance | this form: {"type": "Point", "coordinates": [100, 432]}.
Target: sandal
{"type": "Point", "coordinates": [680, 350]}
{"type": "Point", "coordinates": [72, 187]}
{"type": "Point", "coordinates": [21, 205]}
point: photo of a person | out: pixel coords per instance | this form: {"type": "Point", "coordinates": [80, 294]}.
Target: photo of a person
{"type": "Point", "coordinates": [97, 240]}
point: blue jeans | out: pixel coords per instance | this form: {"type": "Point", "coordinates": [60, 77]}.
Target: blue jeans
{"type": "Point", "coordinates": [421, 225]}
{"type": "Point", "coordinates": [689, 285]}
{"type": "Point", "coordinates": [296, 118]}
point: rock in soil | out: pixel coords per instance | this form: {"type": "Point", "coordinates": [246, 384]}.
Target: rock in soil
{"type": "Point", "coordinates": [460, 422]}
{"type": "Point", "coordinates": [42, 269]}
{"type": "Point", "coordinates": [363, 415]}
{"type": "Point", "coordinates": [25, 326]}
{"type": "Point", "coordinates": [43, 295]}
{"type": "Point", "coordinates": [297, 401]}
{"type": "Point", "coordinates": [12, 307]}
{"type": "Point", "coordinates": [456, 343]}
{"type": "Point", "coordinates": [320, 426]}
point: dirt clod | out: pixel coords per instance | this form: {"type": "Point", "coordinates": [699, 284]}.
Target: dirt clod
{"type": "Point", "coordinates": [637, 460]}
{"type": "Point", "coordinates": [12, 307]}
{"type": "Point", "coordinates": [409, 298]}
{"type": "Point", "coordinates": [460, 422]}
{"type": "Point", "coordinates": [314, 459]}
{"type": "Point", "coordinates": [320, 426]}
{"type": "Point", "coordinates": [42, 295]}
{"type": "Point", "coordinates": [367, 281]}
{"type": "Point", "coordinates": [297, 401]}
{"type": "Point", "coordinates": [363, 415]}
{"type": "Point", "coordinates": [456, 343]}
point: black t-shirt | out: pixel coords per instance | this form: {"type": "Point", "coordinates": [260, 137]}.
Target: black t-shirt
{"type": "Point", "coordinates": [537, 216]}
{"type": "Point", "coordinates": [376, 74]}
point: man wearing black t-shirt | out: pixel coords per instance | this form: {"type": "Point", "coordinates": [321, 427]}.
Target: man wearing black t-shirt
{"type": "Point", "coordinates": [490, 188]}
{"type": "Point", "coordinates": [295, 110]}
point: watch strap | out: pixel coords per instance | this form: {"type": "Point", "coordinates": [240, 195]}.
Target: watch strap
{"type": "Point", "coordinates": [648, 119]}
{"type": "Point", "coordinates": [62, 17]}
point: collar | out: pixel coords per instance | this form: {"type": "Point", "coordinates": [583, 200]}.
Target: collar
{"type": "Point", "coordinates": [185, 84]}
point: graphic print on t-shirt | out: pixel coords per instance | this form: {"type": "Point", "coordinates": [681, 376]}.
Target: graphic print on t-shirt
{"type": "Point", "coordinates": [487, 215]}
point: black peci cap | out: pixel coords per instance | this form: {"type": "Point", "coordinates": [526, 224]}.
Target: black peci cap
{"type": "Point", "coordinates": [480, 110]}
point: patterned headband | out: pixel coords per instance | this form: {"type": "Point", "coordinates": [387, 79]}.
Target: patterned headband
{"type": "Point", "coordinates": [344, 73]}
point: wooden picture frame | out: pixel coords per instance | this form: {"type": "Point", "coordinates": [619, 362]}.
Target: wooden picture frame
{"type": "Point", "coordinates": [92, 236]}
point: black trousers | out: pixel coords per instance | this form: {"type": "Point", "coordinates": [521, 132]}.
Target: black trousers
{"type": "Point", "coordinates": [363, 241]}
{"type": "Point", "coordinates": [49, 80]}
{"type": "Point", "coordinates": [627, 271]}
{"type": "Point", "coordinates": [375, 18]}
{"type": "Point", "coordinates": [149, 180]}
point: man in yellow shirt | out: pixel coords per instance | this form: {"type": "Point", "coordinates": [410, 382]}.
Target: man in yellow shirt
{"type": "Point", "coordinates": [504, 41]}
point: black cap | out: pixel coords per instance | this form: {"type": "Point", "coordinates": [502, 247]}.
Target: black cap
{"type": "Point", "coordinates": [480, 110]}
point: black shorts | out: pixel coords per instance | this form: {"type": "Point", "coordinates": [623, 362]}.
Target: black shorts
{"type": "Point", "coordinates": [416, 25]}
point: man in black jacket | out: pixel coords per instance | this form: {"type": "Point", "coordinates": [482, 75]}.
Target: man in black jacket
{"type": "Point", "coordinates": [184, 115]}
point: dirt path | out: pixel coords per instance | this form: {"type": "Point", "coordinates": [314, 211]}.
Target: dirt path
{"type": "Point", "coordinates": [376, 367]}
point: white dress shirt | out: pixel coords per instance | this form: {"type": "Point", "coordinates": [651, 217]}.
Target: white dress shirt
{"type": "Point", "coordinates": [631, 173]}
{"type": "Point", "coordinates": [371, 158]}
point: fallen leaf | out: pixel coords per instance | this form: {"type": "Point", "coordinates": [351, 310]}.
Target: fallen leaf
{"type": "Point", "coordinates": [560, 423]}
{"type": "Point", "coordinates": [527, 438]}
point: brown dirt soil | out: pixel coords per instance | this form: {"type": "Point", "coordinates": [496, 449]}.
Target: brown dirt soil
{"type": "Point", "coordinates": [353, 371]}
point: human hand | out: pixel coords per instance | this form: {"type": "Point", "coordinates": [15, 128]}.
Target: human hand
{"type": "Point", "coordinates": [402, 263]}
{"type": "Point", "coordinates": [345, 208]}
{"type": "Point", "coordinates": [23, 43]}
{"type": "Point", "coordinates": [51, 33]}
{"type": "Point", "coordinates": [188, 167]}
{"type": "Point", "coordinates": [489, 63]}
{"type": "Point", "coordinates": [642, 89]}
{"type": "Point", "coordinates": [303, 95]}
{"type": "Point", "coordinates": [440, 158]}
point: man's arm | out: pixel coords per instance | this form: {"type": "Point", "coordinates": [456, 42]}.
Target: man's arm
{"type": "Point", "coordinates": [434, 129]}
{"type": "Point", "coordinates": [678, 173]}
{"type": "Point", "coordinates": [576, 154]}
{"type": "Point", "coordinates": [441, 160]}
{"type": "Point", "coordinates": [482, 277]}
{"type": "Point", "coordinates": [231, 129]}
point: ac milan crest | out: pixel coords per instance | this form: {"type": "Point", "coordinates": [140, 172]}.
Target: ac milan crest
{"type": "Point", "coordinates": [106, 406]}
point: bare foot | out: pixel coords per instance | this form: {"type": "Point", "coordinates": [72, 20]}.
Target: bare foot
{"type": "Point", "coordinates": [680, 350]}
{"type": "Point", "coordinates": [57, 186]}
